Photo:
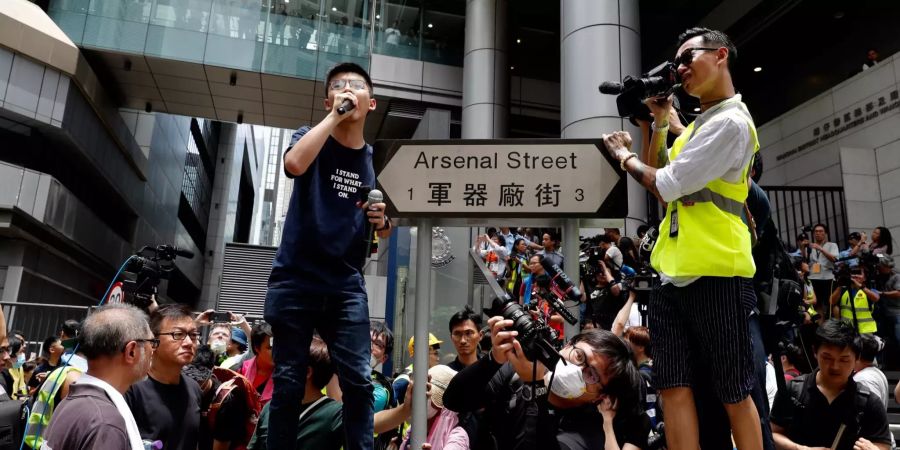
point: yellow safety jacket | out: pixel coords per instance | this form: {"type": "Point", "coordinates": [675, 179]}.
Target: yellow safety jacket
{"type": "Point", "coordinates": [859, 313]}
{"type": "Point", "coordinates": [711, 239]}
{"type": "Point", "coordinates": [44, 405]}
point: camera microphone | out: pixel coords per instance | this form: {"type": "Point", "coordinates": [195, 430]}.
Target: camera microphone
{"type": "Point", "coordinates": [375, 196]}
{"type": "Point", "coordinates": [346, 106]}
{"type": "Point", "coordinates": [611, 87]}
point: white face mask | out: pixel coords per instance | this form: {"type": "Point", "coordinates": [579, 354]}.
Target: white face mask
{"type": "Point", "coordinates": [432, 410]}
{"type": "Point", "coordinates": [218, 347]}
{"type": "Point", "coordinates": [373, 363]}
{"type": "Point", "coordinates": [568, 382]}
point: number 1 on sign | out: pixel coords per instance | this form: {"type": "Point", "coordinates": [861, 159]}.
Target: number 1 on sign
{"type": "Point", "coordinates": [410, 193]}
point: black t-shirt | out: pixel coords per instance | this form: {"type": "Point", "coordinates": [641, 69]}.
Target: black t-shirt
{"type": "Point", "coordinates": [604, 307]}
{"type": "Point", "coordinates": [323, 246]}
{"type": "Point", "coordinates": [167, 412]}
{"type": "Point", "coordinates": [231, 418]}
{"type": "Point", "coordinates": [815, 423]}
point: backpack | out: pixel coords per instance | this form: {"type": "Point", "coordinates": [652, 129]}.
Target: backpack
{"type": "Point", "coordinates": [12, 423]}
{"type": "Point", "coordinates": [798, 389]}
{"type": "Point", "coordinates": [383, 440]}
{"type": "Point", "coordinates": [240, 386]}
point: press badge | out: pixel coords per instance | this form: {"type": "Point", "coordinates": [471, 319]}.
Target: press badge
{"type": "Point", "coordinates": [816, 268]}
{"type": "Point", "coordinates": [673, 223]}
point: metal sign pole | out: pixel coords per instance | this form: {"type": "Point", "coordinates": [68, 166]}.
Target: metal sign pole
{"type": "Point", "coordinates": [423, 313]}
{"type": "Point", "coordinates": [571, 248]}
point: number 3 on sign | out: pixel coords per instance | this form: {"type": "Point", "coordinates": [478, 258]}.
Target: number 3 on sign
{"type": "Point", "coordinates": [410, 193]}
{"type": "Point", "coordinates": [579, 194]}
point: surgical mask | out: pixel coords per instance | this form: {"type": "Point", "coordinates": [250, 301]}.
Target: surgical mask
{"type": "Point", "coordinates": [432, 410]}
{"type": "Point", "coordinates": [217, 347]}
{"type": "Point", "coordinates": [373, 363]}
{"type": "Point", "coordinates": [568, 381]}
{"type": "Point", "coordinates": [20, 360]}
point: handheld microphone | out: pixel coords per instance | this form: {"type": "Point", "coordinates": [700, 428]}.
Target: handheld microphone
{"type": "Point", "coordinates": [611, 87]}
{"type": "Point", "coordinates": [375, 196]}
{"type": "Point", "coordinates": [346, 107]}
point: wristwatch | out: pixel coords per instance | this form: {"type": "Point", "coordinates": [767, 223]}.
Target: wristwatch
{"type": "Point", "coordinates": [387, 224]}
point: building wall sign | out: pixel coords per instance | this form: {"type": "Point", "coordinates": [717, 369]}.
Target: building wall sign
{"type": "Point", "coordinates": [878, 106]}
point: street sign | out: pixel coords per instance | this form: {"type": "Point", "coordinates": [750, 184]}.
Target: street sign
{"type": "Point", "coordinates": [116, 294]}
{"type": "Point", "coordinates": [500, 178]}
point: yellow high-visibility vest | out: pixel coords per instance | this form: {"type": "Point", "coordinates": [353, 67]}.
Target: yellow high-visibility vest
{"type": "Point", "coordinates": [865, 323]}
{"type": "Point", "coordinates": [711, 240]}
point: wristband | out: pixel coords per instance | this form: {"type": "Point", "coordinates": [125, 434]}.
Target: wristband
{"type": "Point", "coordinates": [387, 224]}
{"type": "Point", "coordinates": [625, 159]}
{"type": "Point", "coordinates": [661, 129]}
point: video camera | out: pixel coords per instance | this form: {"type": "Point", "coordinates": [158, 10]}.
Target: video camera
{"type": "Point", "coordinates": [641, 280]}
{"type": "Point", "coordinates": [535, 335]}
{"type": "Point", "coordinates": [658, 82]}
{"type": "Point", "coordinates": [145, 269]}
{"type": "Point", "coordinates": [866, 260]}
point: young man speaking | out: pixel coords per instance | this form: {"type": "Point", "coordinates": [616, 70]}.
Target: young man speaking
{"type": "Point", "coordinates": [317, 282]}
{"type": "Point", "coordinates": [703, 253]}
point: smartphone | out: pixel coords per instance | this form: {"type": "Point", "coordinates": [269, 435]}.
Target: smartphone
{"type": "Point", "coordinates": [220, 317]}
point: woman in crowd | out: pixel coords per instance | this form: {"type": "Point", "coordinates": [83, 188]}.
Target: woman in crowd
{"type": "Point", "coordinates": [518, 266]}
{"type": "Point", "coordinates": [259, 368]}
{"type": "Point", "coordinates": [882, 242]}
{"type": "Point", "coordinates": [493, 250]}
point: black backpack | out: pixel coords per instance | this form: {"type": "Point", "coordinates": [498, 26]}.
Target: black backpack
{"type": "Point", "coordinates": [798, 389]}
{"type": "Point", "coordinates": [13, 415]}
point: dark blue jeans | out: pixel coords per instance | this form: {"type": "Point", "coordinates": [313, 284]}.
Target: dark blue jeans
{"type": "Point", "coordinates": [343, 323]}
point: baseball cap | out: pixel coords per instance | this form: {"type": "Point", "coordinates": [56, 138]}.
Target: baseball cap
{"type": "Point", "coordinates": [238, 335]}
{"type": "Point", "coordinates": [440, 379]}
{"type": "Point", "coordinates": [432, 340]}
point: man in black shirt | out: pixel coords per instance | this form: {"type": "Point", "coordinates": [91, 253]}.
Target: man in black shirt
{"type": "Point", "coordinates": [527, 414]}
{"type": "Point", "coordinates": [827, 408]}
{"type": "Point", "coordinates": [166, 405]}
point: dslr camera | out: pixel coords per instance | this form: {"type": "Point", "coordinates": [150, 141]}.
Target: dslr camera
{"type": "Point", "coordinates": [535, 335]}
{"type": "Point", "coordinates": [658, 82]}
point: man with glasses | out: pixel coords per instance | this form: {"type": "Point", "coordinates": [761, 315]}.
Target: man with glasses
{"type": "Point", "coordinates": [118, 345]}
{"type": "Point", "coordinates": [526, 406]}
{"type": "Point", "coordinates": [703, 254]}
{"type": "Point", "coordinates": [317, 282]}
{"type": "Point", "coordinates": [166, 405]}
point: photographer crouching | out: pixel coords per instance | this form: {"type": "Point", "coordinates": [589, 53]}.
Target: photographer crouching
{"type": "Point", "coordinates": [591, 399]}
{"type": "Point", "coordinates": [703, 255]}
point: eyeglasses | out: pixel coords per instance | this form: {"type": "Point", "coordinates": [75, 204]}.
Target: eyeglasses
{"type": "Point", "coordinates": [180, 335]}
{"type": "Point", "coordinates": [687, 56]}
{"type": "Point", "coordinates": [587, 371]}
{"type": "Point", "coordinates": [154, 343]}
{"type": "Point", "coordinates": [435, 349]}
{"type": "Point", "coordinates": [355, 84]}
{"type": "Point", "coordinates": [468, 334]}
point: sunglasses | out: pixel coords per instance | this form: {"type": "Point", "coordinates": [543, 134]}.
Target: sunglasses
{"type": "Point", "coordinates": [687, 56]}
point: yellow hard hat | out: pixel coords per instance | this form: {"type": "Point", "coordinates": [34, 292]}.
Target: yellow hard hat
{"type": "Point", "coordinates": [432, 340]}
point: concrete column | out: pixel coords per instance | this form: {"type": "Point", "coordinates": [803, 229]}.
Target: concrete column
{"type": "Point", "coordinates": [485, 71]}
{"type": "Point", "coordinates": [600, 42]}
{"type": "Point", "coordinates": [220, 229]}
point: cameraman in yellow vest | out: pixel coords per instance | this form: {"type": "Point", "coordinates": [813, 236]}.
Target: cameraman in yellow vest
{"type": "Point", "coordinates": [855, 302]}
{"type": "Point", "coordinates": [703, 255]}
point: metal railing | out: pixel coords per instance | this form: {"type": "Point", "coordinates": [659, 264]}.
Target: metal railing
{"type": "Point", "coordinates": [795, 207]}
{"type": "Point", "coordinates": [39, 320]}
